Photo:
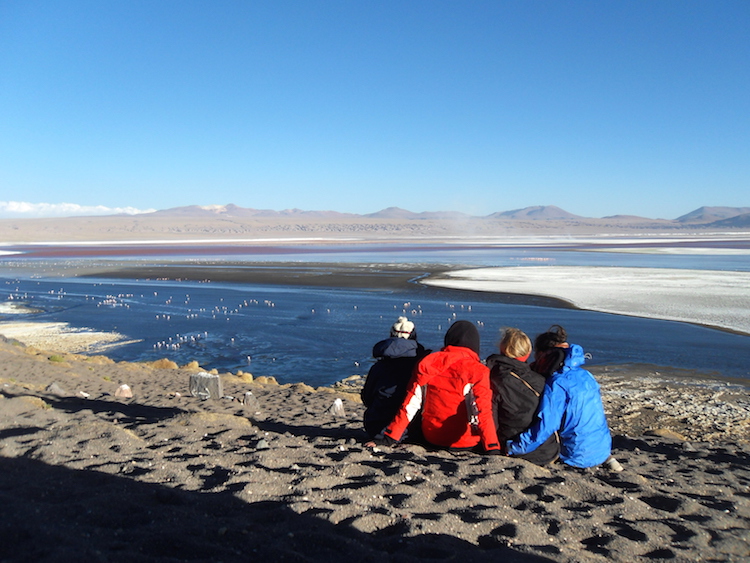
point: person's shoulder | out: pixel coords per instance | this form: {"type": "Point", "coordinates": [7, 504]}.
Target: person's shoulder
{"type": "Point", "coordinates": [562, 378]}
{"type": "Point", "coordinates": [460, 353]}
{"type": "Point", "coordinates": [435, 358]}
{"type": "Point", "coordinates": [586, 376]}
{"type": "Point", "coordinates": [502, 367]}
{"type": "Point", "coordinates": [454, 358]}
{"type": "Point", "coordinates": [471, 362]}
{"type": "Point", "coordinates": [534, 378]}
{"type": "Point", "coordinates": [572, 377]}
{"type": "Point", "coordinates": [395, 348]}
{"type": "Point", "coordinates": [380, 347]}
{"type": "Point", "coordinates": [494, 360]}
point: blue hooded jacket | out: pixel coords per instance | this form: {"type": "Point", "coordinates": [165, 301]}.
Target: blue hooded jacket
{"type": "Point", "coordinates": [572, 404]}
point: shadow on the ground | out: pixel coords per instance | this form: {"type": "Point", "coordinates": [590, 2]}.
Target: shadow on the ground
{"type": "Point", "coordinates": [132, 412]}
{"type": "Point", "coordinates": [676, 449]}
{"type": "Point", "coordinates": [52, 513]}
{"type": "Point", "coordinates": [340, 431]}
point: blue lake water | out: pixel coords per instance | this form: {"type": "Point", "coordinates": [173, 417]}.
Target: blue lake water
{"type": "Point", "coordinates": [320, 335]}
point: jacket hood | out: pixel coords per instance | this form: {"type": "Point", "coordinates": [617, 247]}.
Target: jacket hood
{"type": "Point", "coordinates": [395, 347]}
{"type": "Point", "coordinates": [574, 357]}
{"type": "Point", "coordinates": [511, 363]}
{"type": "Point", "coordinates": [464, 334]}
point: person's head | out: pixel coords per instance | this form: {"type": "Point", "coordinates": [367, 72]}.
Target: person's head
{"type": "Point", "coordinates": [463, 333]}
{"type": "Point", "coordinates": [404, 328]}
{"type": "Point", "coordinates": [515, 344]}
{"type": "Point", "coordinates": [555, 337]}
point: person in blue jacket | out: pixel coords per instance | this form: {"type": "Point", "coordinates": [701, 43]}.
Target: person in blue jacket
{"type": "Point", "coordinates": [571, 404]}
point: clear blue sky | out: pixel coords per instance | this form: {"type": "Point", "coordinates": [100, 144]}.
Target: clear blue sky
{"type": "Point", "coordinates": [599, 107]}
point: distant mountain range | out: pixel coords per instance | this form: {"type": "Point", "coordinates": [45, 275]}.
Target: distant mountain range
{"type": "Point", "coordinates": [231, 222]}
{"type": "Point", "coordinates": [729, 216]}
{"type": "Point", "coordinates": [738, 215]}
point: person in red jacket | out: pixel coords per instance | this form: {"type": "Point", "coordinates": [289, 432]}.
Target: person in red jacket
{"type": "Point", "coordinates": [451, 388]}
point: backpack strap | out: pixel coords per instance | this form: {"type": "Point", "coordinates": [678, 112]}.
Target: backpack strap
{"type": "Point", "coordinates": [526, 383]}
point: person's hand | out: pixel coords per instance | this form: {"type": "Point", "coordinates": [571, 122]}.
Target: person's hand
{"type": "Point", "coordinates": [381, 441]}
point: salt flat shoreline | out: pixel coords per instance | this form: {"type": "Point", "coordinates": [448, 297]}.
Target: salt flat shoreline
{"type": "Point", "coordinates": [165, 476]}
{"type": "Point", "coordinates": [715, 299]}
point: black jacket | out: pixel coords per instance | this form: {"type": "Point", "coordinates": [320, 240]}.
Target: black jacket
{"type": "Point", "coordinates": [385, 386]}
{"type": "Point", "coordinates": [516, 390]}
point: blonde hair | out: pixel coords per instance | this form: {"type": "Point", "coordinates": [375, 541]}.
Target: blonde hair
{"type": "Point", "coordinates": [514, 343]}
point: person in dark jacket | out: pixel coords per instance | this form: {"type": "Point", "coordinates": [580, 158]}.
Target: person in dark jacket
{"type": "Point", "coordinates": [385, 386]}
{"type": "Point", "coordinates": [516, 390]}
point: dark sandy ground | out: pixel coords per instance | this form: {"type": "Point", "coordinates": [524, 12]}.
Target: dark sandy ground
{"type": "Point", "coordinates": [164, 476]}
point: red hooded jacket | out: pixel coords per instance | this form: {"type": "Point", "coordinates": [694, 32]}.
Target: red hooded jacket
{"type": "Point", "coordinates": [446, 387]}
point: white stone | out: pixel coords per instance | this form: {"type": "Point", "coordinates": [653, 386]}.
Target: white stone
{"type": "Point", "coordinates": [337, 408]}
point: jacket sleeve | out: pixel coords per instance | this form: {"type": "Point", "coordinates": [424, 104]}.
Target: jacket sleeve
{"type": "Point", "coordinates": [549, 417]}
{"type": "Point", "coordinates": [410, 407]}
{"type": "Point", "coordinates": [483, 395]}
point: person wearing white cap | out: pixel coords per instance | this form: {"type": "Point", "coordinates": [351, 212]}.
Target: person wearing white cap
{"type": "Point", "coordinates": [385, 386]}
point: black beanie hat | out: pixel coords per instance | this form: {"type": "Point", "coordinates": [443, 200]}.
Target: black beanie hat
{"type": "Point", "coordinates": [463, 333]}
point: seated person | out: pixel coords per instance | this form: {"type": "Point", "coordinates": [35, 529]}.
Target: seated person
{"type": "Point", "coordinates": [385, 386]}
{"type": "Point", "coordinates": [516, 389]}
{"type": "Point", "coordinates": [451, 389]}
{"type": "Point", "coordinates": [572, 405]}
